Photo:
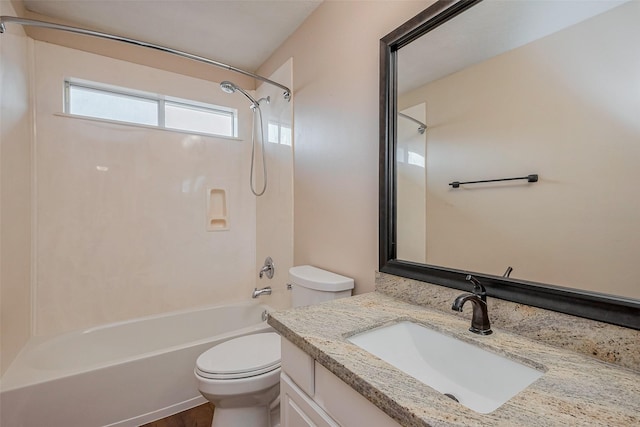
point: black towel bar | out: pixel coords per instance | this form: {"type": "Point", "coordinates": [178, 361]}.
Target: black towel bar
{"type": "Point", "coordinates": [529, 178]}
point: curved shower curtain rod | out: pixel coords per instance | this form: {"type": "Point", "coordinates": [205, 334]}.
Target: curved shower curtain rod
{"type": "Point", "coordinates": [421, 128]}
{"type": "Point", "coordinates": [77, 30]}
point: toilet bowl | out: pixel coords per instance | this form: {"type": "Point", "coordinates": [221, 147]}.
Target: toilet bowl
{"type": "Point", "coordinates": [241, 377]}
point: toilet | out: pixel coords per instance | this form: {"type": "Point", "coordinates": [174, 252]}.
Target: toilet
{"type": "Point", "coordinates": [241, 377]}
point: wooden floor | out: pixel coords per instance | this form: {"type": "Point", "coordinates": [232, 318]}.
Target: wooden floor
{"type": "Point", "coordinates": [200, 416]}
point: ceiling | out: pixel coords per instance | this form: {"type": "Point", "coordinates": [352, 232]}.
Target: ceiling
{"type": "Point", "coordinates": [486, 30]}
{"type": "Point", "coordinates": [240, 33]}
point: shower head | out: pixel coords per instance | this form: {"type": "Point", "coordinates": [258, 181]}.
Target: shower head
{"type": "Point", "coordinates": [230, 87]}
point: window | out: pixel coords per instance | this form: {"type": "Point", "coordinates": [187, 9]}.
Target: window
{"type": "Point", "coordinates": [103, 102]}
{"type": "Point", "coordinates": [279, 133]}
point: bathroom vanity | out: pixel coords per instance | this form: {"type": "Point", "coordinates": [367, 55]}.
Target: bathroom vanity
{"type": "Point", "coordinates": [327, 380]}
{"type": "Point", "coordinates": [312, 396]}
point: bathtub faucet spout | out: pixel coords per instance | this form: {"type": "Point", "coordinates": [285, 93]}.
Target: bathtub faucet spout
{"type": "Point", "coordinates": [264, 291]}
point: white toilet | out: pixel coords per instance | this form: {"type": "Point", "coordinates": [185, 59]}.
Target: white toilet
{"type": "Point", "coordinates": [241, 377]}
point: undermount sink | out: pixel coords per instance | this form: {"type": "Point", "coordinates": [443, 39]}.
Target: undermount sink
{"type": "Point", "coordinates": [478, 379]}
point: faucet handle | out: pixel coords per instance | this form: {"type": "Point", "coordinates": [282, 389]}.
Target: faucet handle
{"type": "Point", "coordinates": [507, 273]}
{"type": "Point", "coordinates": [268, 268]}
{"type": "Point", "coordinates": [478, 287]}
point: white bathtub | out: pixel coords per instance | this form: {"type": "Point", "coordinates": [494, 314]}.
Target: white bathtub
{"type": "Point", "coordinates": [121, 374]}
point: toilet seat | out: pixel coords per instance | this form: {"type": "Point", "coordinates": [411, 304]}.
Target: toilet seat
{"type": "Point", "coordinates": [242, 357]}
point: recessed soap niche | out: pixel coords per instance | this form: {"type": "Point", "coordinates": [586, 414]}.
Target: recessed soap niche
{"type": "Point", "coordinates": [217, 209]}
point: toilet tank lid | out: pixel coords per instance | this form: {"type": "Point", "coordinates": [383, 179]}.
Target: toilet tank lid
{"type": "Point", "coordinates": [311, 277]}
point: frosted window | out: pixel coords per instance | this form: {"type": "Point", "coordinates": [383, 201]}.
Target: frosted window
{"type": "Point", "coordinates": [99, 101]}
{"type": "Point", "coordinates": [198, 119]}
{"type": "Point", "coordinates": [100, 104]}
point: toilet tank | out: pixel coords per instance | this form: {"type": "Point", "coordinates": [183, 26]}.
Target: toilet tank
{"type": "Point", "coordinates": [311, 285]}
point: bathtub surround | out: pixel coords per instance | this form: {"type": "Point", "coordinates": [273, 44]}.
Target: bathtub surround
{"type": "Point", "coordinates": [15, 190]}
{"type": "Point", "coordinates": [609, 343]}
{"type": "Point", "coordinates": [575, 389]}
{"type": "Point", "coordinates": [122, 210]}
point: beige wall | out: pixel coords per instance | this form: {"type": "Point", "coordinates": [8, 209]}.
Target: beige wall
{"type": "Point", "coordinates": [335, 54]}
{"type": "Point", "coordinates": [565, 107]}
{"type": "Point", "coordinates": [121, 210]}
{"type": "Point", "coordinates": [15, 191]}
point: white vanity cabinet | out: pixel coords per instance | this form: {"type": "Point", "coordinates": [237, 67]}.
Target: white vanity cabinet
{"type": "Point", "coordinates": [298, 409]}
{"type": "Point", "coordinates": [313, 396]}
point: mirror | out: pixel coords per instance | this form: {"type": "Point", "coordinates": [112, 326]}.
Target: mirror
{"type": "Point", "coordinates": [545, 91]}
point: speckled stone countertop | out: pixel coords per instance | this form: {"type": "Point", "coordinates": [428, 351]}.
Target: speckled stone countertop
{"type": "Point", "coordinates": [576, 390]}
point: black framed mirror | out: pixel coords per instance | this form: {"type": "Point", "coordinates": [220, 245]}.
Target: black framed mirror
{"type": "Point", "coordinates": [540, 285]}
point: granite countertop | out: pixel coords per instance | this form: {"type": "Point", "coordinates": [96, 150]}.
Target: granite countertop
{"type": "Point", "coordinates": [575, 389]}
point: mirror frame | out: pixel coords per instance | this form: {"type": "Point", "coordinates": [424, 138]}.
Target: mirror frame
{"type": "Point", "coordinates": [616, 310]}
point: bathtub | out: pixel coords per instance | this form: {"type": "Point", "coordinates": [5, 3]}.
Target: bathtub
{"type": "Point", "coordinates": [121, 374]}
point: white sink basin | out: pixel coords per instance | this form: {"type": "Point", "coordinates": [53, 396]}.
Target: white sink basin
{"type": "Point", "coordinates": [478, 379]}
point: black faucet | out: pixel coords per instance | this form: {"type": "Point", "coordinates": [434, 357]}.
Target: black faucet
{"type": "Point", "coordinates": [480, 319]}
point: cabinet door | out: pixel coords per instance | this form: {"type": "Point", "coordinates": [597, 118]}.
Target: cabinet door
{"type": "Point", "coordinates": [347, 407]}
{"type": "Point", "coordinates": [298, 410]}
